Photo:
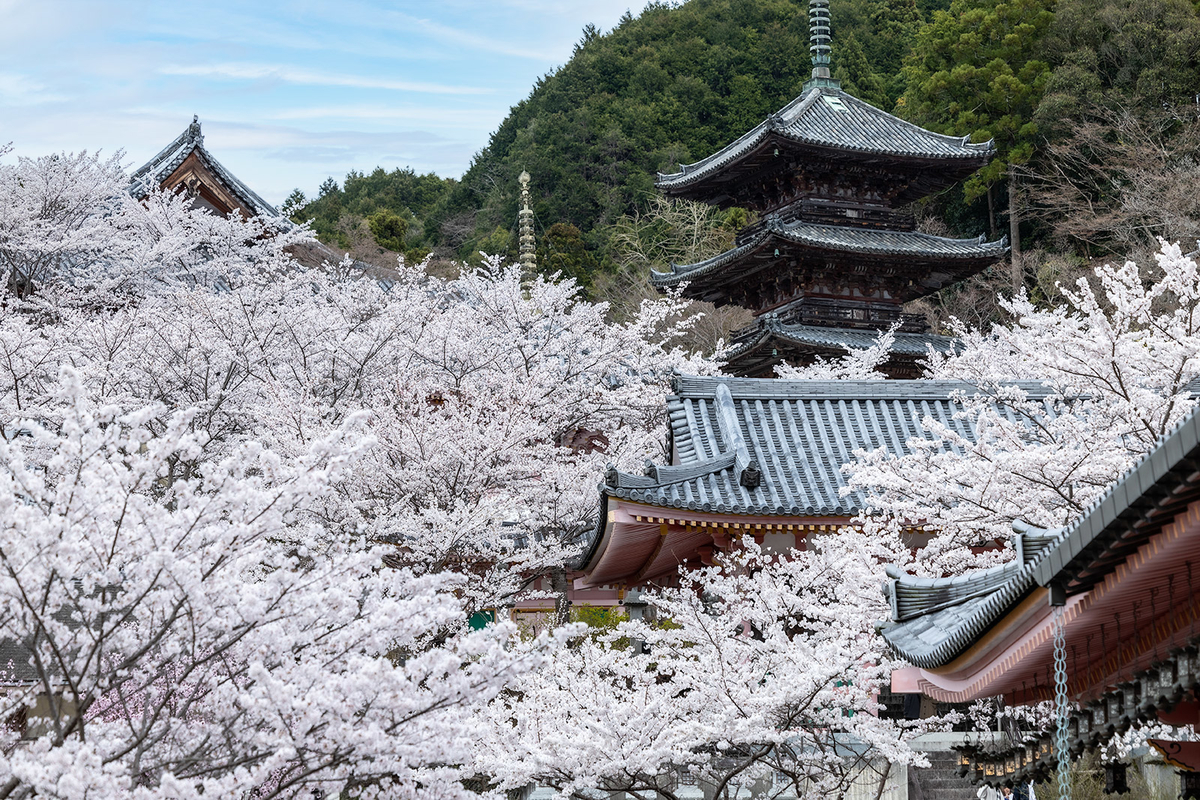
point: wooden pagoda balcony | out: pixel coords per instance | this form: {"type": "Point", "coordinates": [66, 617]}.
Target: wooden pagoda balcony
{"type": "Point", "coordinates": [833, 212]}
{"type": "Point", "coordinates": [843, 314]}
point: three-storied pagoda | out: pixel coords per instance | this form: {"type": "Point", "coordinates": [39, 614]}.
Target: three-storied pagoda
{"type": "Point", "coordinates": [832, 257]}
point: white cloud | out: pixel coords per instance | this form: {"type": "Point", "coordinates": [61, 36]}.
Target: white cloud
{"type": "Point", "coordinates": [21, 90]}
{"type": "Point", "coordinates": [250, 71]}
{"type": "Point", "coordinates": [462, 38]}
{"type": "Point", "coordinates": [389, 112]}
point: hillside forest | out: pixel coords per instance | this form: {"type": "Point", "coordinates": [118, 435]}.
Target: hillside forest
{"type": "Point", "coordinates": [1093, 106]}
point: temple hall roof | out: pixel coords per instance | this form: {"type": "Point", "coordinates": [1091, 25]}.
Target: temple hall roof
{"type": "Point", "coordinates": [152, 174]}
{"type": "Point", "coordinates": [777, 447]}
{"type": "Point", "coordinates": [936, 620]}
{"type": "Point", "coordinates": [831, 119]}
{"type": "Point", "coordinates": [861, 241]}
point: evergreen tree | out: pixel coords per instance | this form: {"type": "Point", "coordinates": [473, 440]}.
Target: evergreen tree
{"type": "Point", "coordinates": [389, 230]}
{"type": "Point", "coordinates": [1115, 55]}
{"type": "Point", "coordinates": [562, 250]}
{"type": "Point", "coordinates": [294, 202]}
{"type": "Point", "coordinates": [977, 70]}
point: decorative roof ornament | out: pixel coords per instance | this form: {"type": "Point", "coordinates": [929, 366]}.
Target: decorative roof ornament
{"type": "Point", "coordinates": [526, 240]}
{"type": "Point", "coordinates": [819, 47]}
{"type": "Point", "coordinates": [193, 131]}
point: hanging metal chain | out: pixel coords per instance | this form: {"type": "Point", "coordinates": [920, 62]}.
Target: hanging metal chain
{"type": "Point", "coordinates": [1061, 711]}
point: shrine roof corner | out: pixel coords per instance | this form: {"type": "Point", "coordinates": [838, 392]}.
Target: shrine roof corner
{"type": "Point", "coordinates": [151, 175]}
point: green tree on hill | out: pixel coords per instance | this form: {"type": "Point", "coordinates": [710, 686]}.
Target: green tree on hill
{"type": "Point", "coordinates": [389, 229]}
{"type": "Point", "coordinates": [671, 85]}
{"type": "Point", "coordinates": [1116, 55]}
{"type": "Point", "coordinates": [562, 250]}
{"type": "Point", "coordinates": [978, 70]}
{"type": "Point", "coordinates": [402, 193]}
{"type": "Point", "coordinates": [871, 41]}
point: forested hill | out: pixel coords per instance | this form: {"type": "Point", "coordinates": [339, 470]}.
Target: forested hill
{"type": "Point", "coordinates": [671, 85]}
{"type": "Point", "coordinates": [1080, 96]}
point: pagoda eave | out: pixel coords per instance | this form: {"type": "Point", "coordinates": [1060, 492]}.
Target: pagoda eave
{"type": "Point", "coordinates": [777, 156]}
{"type": "Point", "coordinates": [758, 349]}
{"type": "Point", "coordinates": [827, 125]}
{"type": "Point", "coordinates": [912, 264]}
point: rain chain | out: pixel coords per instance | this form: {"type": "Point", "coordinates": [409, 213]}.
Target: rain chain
{"type": "Point", "coordinates": [1061, 712]}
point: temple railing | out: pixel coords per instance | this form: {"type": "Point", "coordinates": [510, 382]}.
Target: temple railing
{"type": "Point", "coordinates": [851, 314]}
{"type": "Point", "coordinates": [832, 212]}
{"type": "Point", "coordinates": [1141, 698]}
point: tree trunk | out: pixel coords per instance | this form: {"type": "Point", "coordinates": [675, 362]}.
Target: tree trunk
{"type": "Point", "coordinates": [1014, 232]}
{"type": "Point", "coordinates": [991, 198]}
{"type": "Point", "coordinates": [883, 778]}
{"type": "Point", "coordinates": [562, 605]}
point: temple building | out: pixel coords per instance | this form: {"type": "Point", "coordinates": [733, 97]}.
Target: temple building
{"type": "Point", "coordinates": [186, 165]}
{"type": "Point", "coordinates": [755, 457]}
{"type": "Point", "coordinates": [833, 256]}
{"type": "Point", "coordinates": [1105, 611]}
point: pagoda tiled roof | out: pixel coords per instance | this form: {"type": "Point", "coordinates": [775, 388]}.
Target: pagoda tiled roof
{"type": "Point", "coordinates": [934, 620]}
{"type": "Point", "coordinates": [794, 437]}
{"type": "Point", "coordinates": [865, 241]}
{"type": "Point", "coordinates": [151, 174]}
{"type": "Point", "coordinates": [837, 340]}
{"type": "Point", "coordinates": [830, 118]}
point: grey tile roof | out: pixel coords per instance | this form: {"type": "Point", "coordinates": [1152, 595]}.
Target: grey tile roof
{"type": "Point", "coordinates": [866, 241]}
{"type": "Point", "coordinates": [830, 118]}
{"type": "Point", "coordinates": [934, 620]}
{"type": "Point", "coordinates": [937, 637]}
{"type": "Point", "coordinates": [15, 668]}
{"type": "Point", "coordinates": [817, 337]}
{"type": "Point", "coordinates": [796, 434]}
{"type": "Point", "coordinates": [151, 174]}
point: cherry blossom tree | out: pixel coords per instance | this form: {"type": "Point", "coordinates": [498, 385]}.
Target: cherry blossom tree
{"type": "Point", "coordinates": [70, 219]}
{"type": "Point", "coordinates": [1113, 369]}
{"type": "Point", "coordinates": [759, 676]}
{"type": "Point", "coordinates": [1059, 403]}
{"type": "Point", "coordinates": [258, 504]}
{"type": "Point", "coordinates": [493, 402]}
{"type": "Point", "coordinates": [211, 636]}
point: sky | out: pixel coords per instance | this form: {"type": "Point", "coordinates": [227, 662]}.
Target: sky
{"type": "Point", "coordinates": [288, 93]}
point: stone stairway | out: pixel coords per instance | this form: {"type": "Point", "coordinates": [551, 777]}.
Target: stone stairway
{"type": "Point", "coordinates": [940, 781]}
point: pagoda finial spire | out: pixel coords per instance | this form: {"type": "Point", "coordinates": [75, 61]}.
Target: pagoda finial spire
{"type": "Point", "coordinates": [819, 45]}
{"type": "Point", "coordinates": [526, 240]}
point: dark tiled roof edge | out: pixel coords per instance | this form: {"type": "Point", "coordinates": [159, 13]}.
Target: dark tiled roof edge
{"type": "Point", "coordinates": [695, 386]}
{"type": "Point", "coordinates": [843, 239]}
{"type": "Point", "coordinates": [912, 344]}
{"type": "Point", "coordinates": [792, 114]}
{"type": "Point", "coordinates": [999, 601]}
{"type": "Point", "coordinates": [1052, 553]}
{"type": "Point", "coordinates": [744, 143]}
